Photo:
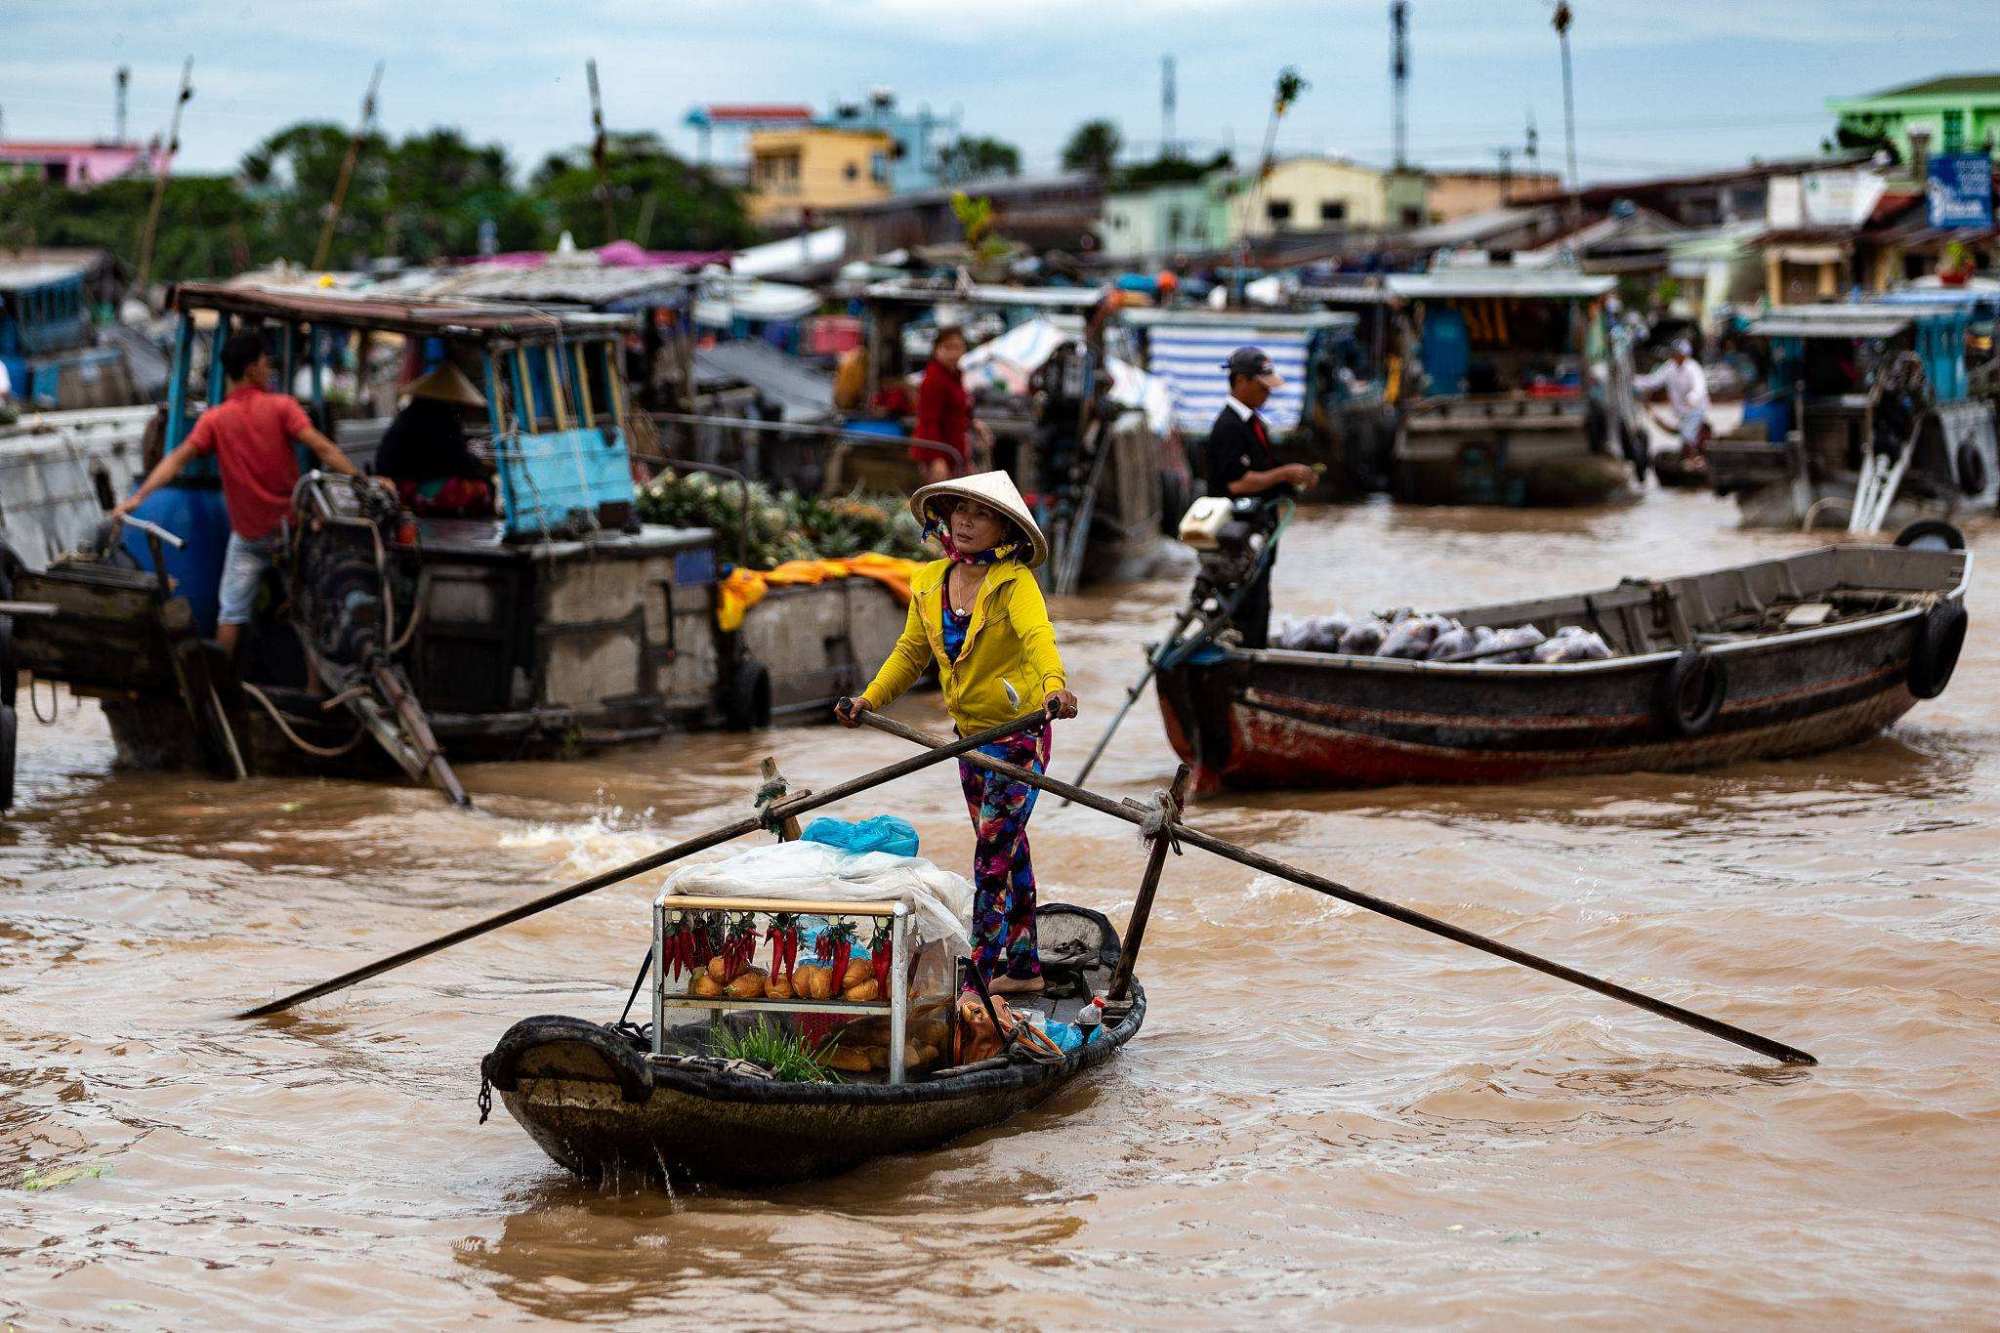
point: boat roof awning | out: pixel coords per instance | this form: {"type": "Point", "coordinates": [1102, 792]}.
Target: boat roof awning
{"type": "Point", "coordinates": [1544, 284]}
{"type": "Point", "coordinates": [570, 284]}
{"type": "Point", "coordinates": [414, 317]}
{"type": "Point", "coordinates": [1300, 321]}
{"type": "Point", "coordinates": [1346, 294]}
{"type": "Point", "coordinates": [1052, 298]}
{"type": "Point", "coordinates": [1831, 322]}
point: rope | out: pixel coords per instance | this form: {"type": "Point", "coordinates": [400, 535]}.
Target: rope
{"type": "Point", "coordinates": [318, 751]}
{"type": "Point", "coordinates": [1160, 818]}
{"type": "Point", "coordinates": [55, 703]}
{"type": "Point", "coordinates": [773, 790]}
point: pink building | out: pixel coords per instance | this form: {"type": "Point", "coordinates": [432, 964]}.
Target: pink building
{"type": "Point", "coordinates": [78, 165]}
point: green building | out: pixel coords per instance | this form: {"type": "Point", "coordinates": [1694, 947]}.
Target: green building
{"type": "Point", "coordinates": [1960, 111]}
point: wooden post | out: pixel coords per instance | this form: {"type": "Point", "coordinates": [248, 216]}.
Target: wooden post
{"type": "Point", "coordinates": [1156, 860]}
{"type": "Point", "coordinates": [161, 169]}
{"type": "Point", "coordinates": [324, 250]}
{"type": "Point", "coordinates": [789, 830]}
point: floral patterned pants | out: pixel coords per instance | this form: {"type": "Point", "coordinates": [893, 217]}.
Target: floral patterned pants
{"type": "Point", "coordinates": [1003, 904]}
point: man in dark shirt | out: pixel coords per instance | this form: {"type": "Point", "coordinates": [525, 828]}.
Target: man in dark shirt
{"type": "Point", "coordinates": [1240, 462]}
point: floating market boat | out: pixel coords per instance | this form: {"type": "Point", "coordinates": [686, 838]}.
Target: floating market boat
{"type": "Point", "coordinates": [561, 623]}
{"type": "Point", "coordinates": [1870, 415]}
{"type": "Point", "coordinates": [1759, 661]}
{"type": "Point", "coordinates": [608, 1102]}
{"type": "Point", "coordinates": [1516, 395]}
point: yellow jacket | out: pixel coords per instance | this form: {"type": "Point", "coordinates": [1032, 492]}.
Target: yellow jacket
{"type": "Point", "coordinates": [1009, 642]}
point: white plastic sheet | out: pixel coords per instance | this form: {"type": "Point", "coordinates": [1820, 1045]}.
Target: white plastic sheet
{"type": "Point", "coordinates": [940, 902]}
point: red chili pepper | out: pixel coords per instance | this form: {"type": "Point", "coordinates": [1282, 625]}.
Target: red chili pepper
{"type": "Point", "coordinates": [792, 951]}
{"type": "Point", "coordinates": [739, 947]}
{"type": "Point", "coordinates": [881, 951]}
{"type": "Point", "coordinates": [842, 937]}
{"type": "Point", "coordinates": [784, 938]}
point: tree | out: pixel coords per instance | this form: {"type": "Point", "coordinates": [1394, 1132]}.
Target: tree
{"type": "Point", "coordinates": [1174, 170]}
{"type": "Point", "coordinates": [657, 199]}
{"type": "Point", "coordinates": [979, 156]}
{"type": "Point", "coordinates": [1094, 148]}
{"type": "Point", "coordinates": [208, 228]}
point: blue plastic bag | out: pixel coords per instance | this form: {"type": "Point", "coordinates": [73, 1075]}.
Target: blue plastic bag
{"type": "Point", "coordinates": [883, 833]}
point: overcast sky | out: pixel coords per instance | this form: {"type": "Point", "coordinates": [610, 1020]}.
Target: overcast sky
{"type": "Point", "coordinates": [1659, 86]}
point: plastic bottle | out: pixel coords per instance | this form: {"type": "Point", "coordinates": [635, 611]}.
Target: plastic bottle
{"type": "Point", "coordinates": [1090, 1018]}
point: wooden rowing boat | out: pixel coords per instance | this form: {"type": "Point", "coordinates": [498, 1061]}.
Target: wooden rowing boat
{"type": "Point", "coordinates": [1757, 661]}
{"type": "Point", "coordinates": [601, 1105]}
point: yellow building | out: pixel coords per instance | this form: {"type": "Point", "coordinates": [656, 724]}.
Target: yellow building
{"type": "Point", "coordinates": [1318, 194]}
{"type": "Point", "coordinates": [792, 171]}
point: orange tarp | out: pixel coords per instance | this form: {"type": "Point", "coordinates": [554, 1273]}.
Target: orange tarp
{"type": "Point", "coordinates": [744, 588]}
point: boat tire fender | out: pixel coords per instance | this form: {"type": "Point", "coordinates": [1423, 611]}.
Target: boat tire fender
{"type": "Point", "coordinates": [1971, 470]}
{"type": "Point", "coordinates": [1940, 637]}
{"type": "Point", "coordinates": [1692, 692]}
{"type": "Point", "coordinates": [746, 699]}
{"type": "Point", "coordinates": [616, 1054]}
{"type": "Point", "coordinates": [1931, 534]}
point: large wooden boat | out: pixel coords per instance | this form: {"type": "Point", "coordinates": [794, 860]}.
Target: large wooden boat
{"type": "Point", "coordinates": [1515, 397]}
{"type": "Point", "coordinates": [604, 1104]}
{"type": "Point", "coordinates": [1758, 661]}
{"type": "Point", "coordinates": [561, 623]}
{"type": "Point", "coordinates": [1869, 416]}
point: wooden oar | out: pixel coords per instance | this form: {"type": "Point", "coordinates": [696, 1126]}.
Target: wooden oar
{"type": "Point", "coordinates": [1714, 1027]}
{"type": "Point", "coordinates": [778, 812]}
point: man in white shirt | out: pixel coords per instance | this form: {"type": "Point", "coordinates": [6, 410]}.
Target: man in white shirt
{"type": "Point", "coordinates": [1687, 391]}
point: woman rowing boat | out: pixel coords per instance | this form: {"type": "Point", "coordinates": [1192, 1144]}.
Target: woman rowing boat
{"type": "Point", "coordinates": [980, 616]}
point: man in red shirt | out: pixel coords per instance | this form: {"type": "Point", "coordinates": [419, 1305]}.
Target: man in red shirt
{"type": "Point", "coordinates": [251, 433]}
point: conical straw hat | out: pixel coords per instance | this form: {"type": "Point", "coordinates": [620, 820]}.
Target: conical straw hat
{"type": "Point", "coordinates": [995, 490]}
{"type": "Point", "coordinates": [447, 384]}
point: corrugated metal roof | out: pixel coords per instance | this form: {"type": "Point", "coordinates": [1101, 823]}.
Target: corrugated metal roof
{"type": "Point", "coordinates": [924, 293]}
{"type": "Point", "coordinates": [803, 393]}
{"type": "Point", "coordinates": [422, 317]}
{"type": "Point", "coordinates": [1152, 317]}
{"type": "Point", "coordinates": [1554, 284]}
{"type": "Point", "coordinates": [1832, 321]}
{"type": "Point", "coordinates": [20, 276]}
{"type": "Point", "coordinates": [576, 284]}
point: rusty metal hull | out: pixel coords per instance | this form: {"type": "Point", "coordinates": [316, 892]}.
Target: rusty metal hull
{"type": "Point", "coordinates": [1278, 718]}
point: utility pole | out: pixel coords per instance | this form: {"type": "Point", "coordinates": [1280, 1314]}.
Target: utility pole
{"type": "Point", "coordinates": [600, 155]}
{"type": "Point", "coordinates": [1562, 21]}
{"type": "Point", "coordinates": [1534, 153]}
{"type": "Point", "coordinates": [161, 168]}
{"type": "Point", "coordinates": [1167, 104]}
{"type": "Point", "coordinates": [1399, 78]}
{"type": "Point", "coordinates": [124, 81]}
{"type": "Point", "coordinates": [325, 246]}
{"type": "Point", "coordinates": [1506, 156]}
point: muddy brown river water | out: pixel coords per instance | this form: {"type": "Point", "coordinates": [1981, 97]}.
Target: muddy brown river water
{"type": "Point", "coordinates": [1329, 1117]}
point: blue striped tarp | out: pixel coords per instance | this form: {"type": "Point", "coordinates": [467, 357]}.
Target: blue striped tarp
{"type": "Point", "coordinates": [1190, 360]}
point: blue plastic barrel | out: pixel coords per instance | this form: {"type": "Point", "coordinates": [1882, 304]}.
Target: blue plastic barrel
{"type": "Point", "coordinates": [196, 514]}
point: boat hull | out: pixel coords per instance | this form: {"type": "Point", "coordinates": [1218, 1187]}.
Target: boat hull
{"type": "Point", "coordinates": [1279, 718]}
{"type": "Point", "coordinates": [602, 1110]}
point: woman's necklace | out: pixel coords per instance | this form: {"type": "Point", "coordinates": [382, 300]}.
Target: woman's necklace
{"type": "Point", "coordinates": [956, 601]}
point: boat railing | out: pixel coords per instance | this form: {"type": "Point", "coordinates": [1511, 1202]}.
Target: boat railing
{"type": "Point", "coordinates": [897, 1007]}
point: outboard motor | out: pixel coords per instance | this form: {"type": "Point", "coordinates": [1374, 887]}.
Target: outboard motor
{"type": "Point", "coordinates": [355, 614]}
{"type": "Point", "coordinates": [1229, 535]}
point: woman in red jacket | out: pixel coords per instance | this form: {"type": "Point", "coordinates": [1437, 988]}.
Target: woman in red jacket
{"type": "Point", "coordinates": [944, 412]}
